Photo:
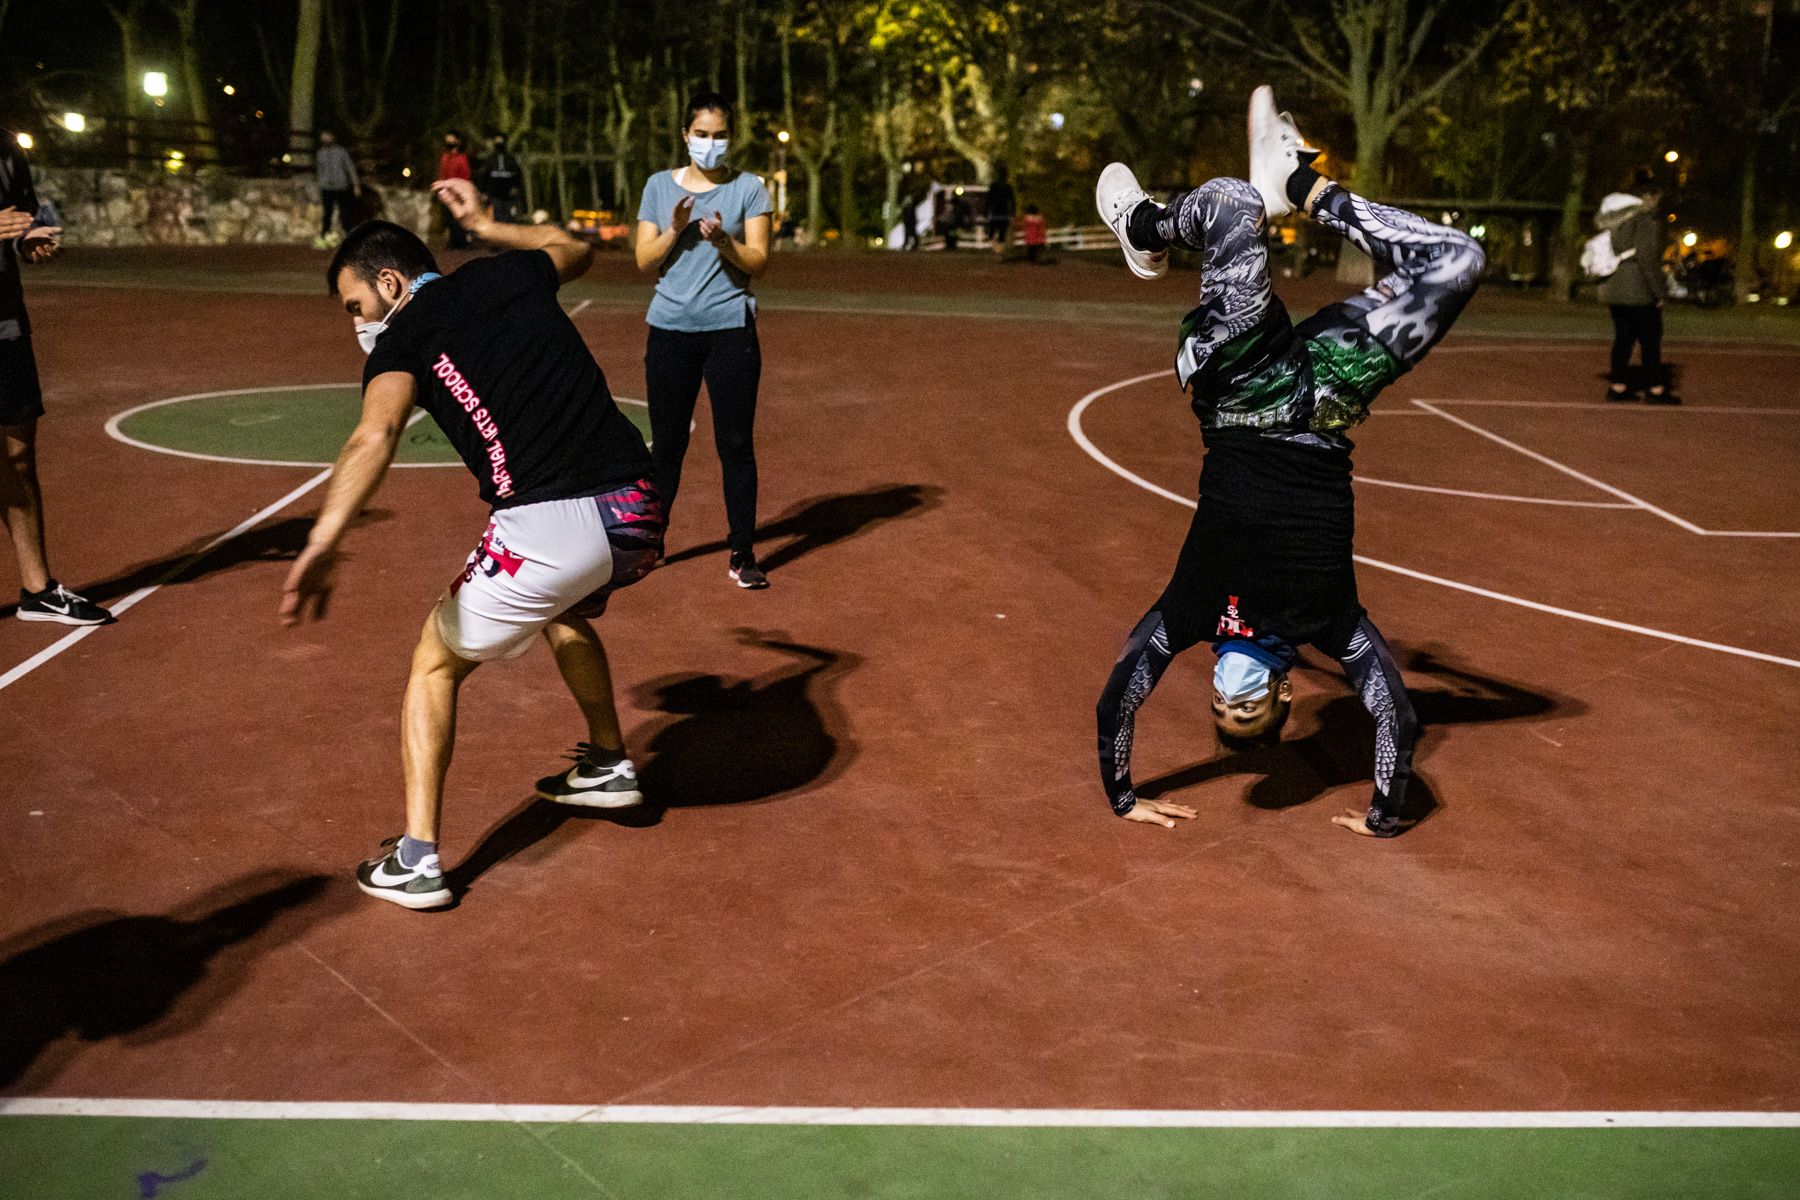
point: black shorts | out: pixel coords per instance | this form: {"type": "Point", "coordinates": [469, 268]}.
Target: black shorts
{"type": "Point", "coordinates": [21, 399]}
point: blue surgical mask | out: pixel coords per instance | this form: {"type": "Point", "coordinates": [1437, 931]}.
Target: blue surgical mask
{"type": "Point", "coordinates": [1239, 677]}
{"type": "Point", "coordinates": [707, 153]}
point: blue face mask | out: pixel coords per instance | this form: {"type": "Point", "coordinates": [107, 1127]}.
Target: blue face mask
{"type": "Point", "coordinates": [707, 153]}
{"type": "Point", "coordinates": [1239, 677]}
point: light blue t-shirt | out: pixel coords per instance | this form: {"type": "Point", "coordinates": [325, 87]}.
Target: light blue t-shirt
{"type": "Point", "coordinates": [697, 290]}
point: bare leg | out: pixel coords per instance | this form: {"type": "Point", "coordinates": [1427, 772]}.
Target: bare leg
{"type": "Point", "coordinates": [22, 505]}
{"type": "Point", "coordinates": [428, 728]}
{"type": "Point", "coordinates": [582, 660]}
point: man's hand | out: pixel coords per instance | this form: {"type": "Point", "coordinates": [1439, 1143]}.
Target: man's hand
{"type": "Point", "coordinates": [42, 244]}
{"type": "Point", "coordinates": [463, 202]}
{"type": "Point", "coordinates": [684, 212]}
{"type": "Point", "coordinates": [1357, 821]}
{"type": "Point", "coordinates": [309, 581]}
{"type": "Point", "coordinates": [13, 223]}
{"type": "Point", "coordinates": [713, 230]}
{"type": "Point", "coordinates": [1156, 812]}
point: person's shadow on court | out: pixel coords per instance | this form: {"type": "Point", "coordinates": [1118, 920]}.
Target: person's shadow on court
{"type": "Point", "coordinates": [1339, 752]}
{"type": "Point", "coordinates": [826, 520]}
{"type": "Point", "coordinates": [720, 741]}
{"type": "Point", "coordinates": [277, 541]}
{"type": "Point", "coordinates": [98, 975]}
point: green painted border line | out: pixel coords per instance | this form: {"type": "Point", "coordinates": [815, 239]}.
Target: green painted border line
{"type": "Point", "coordinates": [52, 1158]}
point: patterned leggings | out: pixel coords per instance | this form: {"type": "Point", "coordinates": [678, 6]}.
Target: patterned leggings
{"type": "Point", "coordinates": [1432, 269]}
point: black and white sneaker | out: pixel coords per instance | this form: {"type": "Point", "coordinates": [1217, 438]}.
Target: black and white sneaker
{"type": "Point", "coordinates": [745, 573]}
{"type": "Point", "coordinates": [597, 780]}
{"type": "Point", "coordinates": [57, 603]}
{"type": "Point", "coordinates": [387, 878]}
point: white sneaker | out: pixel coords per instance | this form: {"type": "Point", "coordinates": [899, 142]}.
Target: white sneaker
{"type": "Point", "coordinates": [1276, 149]}
{"type": "Point", "coordinates": [1115, 196]}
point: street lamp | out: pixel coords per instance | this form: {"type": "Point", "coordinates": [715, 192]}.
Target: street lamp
{"type": "Point", "coordinates": [74, 122]}
{"type": "Point", "coordinates": [1784, 239]}
{"type": "Point", "coordinates": [26, 141]}
{"type": "Point", "coordinates": [1672, 156]}
{"type": "Point", "coordinates": [156, 84]}
{"type": "Point", "coordinates": [1689, 238]}
{"type": "Point", "coordinates": [782, 137]}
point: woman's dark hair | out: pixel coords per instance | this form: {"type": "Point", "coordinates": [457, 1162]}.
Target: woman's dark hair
{"type": "Point", "coordinates": [1643, 180]}
{"type": "Point", "coordinates": [375, 246]}
{"type": "Point", "coordinates": [708, 102]}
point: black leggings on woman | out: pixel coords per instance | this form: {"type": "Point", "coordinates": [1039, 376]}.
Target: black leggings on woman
{"type": "Point", "coordinates": [729, 361]}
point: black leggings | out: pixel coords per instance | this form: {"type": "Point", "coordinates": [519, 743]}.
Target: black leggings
{"type": "Point", "coordinates": [1640, 325]}
{"type": "Point", "coordinates": [729, 361]}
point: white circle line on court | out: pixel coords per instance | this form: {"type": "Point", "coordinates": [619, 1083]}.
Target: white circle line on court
{"type": "Point", "coordinates": [1101, 457]}
{"type": "Point", "coordinates": [115, 431]}
{"type": "Point", "coordinates": [1005, 1118]}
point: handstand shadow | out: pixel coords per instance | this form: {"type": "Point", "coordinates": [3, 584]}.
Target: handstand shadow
{"type": "Point", "coordinates": [740, 741]}
{"type": "Point", "coordinates": [278, 541]}
{"type": "Point", "coordinates": [1338, 753]}
{"type": "Point", "coordinates": [103, 974]}
{"type": "Point", "coordinates": [826, 520]}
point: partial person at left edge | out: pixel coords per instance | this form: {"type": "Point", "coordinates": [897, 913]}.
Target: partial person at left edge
{"type": "Point", "coordinates": [491, 355]}
{"type": "Point", "coordinates": [24, 239]}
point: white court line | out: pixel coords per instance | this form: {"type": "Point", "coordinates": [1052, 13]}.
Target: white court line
{"type": "Point", "coordinates": [1636, 501]}
{"type": "Point", "coordinates": [73, 636]}
{"type": "Point", "coordinates": [1004, 1118]}
{"type": "Point", "coordinates": [1100, 456]}
{"type": "Point", "coordinates": [1602, 406]}
{"type": "Point", "coordinates": [576, 311]}
{"type": "Point", "coordinates": [1444, 491]}
{"type": "Point", "coordinates": [115, 431]}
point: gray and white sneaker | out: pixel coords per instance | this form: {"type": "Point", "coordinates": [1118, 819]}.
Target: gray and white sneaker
{"type": "Point", "coordinates": [597, 780]}
{"type": "Point", "coordinates": [419, 886]}
{"type": "Point", "coordinates": [1276, 150]}
{"type": "Point", "coordinates": [1115, 195]}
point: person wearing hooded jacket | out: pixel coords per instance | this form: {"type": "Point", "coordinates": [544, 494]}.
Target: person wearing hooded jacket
{"type": "Point", "coordinates": [1635, 291]}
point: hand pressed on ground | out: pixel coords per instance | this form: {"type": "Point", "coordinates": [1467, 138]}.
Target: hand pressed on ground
{"type": "Point", "coordinates": [1160, 812]}
{"type": "Point", "coordinates": [1357, 821]}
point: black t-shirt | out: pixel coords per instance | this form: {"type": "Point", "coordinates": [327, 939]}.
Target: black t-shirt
{"type": "Point", "coordinates": [1270, 550]}
{"type": "Point", "coordinates": [503, 371]}
{"type": "Point", "coordinates": [16, 191]}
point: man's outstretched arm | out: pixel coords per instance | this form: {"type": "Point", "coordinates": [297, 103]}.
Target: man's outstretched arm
{"type": "Point", "coordinates": [571, 255]}
{"type": "Point", "coordinates": [358, 472]}
{"type": "Point", "coordinates": [1376, 676]}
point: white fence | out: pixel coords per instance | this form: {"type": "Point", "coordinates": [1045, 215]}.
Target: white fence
{"type": "Point", "coordinates": [1067, 237]}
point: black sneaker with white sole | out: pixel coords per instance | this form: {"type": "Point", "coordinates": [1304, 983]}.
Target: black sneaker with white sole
{"type": "Point", "coordinates": [57, 603]}
{"type": "Point", "coordinates": [419, 886]}
{"type": "Point", "coordinates": [599, 779]}
{"type": "Point", "coordinates": [745, 573]}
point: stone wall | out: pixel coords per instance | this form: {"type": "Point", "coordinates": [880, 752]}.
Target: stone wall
{"type": "Point", "coordinates": [112, 208]}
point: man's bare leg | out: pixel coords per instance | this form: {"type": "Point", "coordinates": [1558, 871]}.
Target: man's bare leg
{"type": "Point", "coordinates": [582, 661]}
{"type": "Point", "coordinates": [428, 728]}
{"type": "Point", "coordinates": [22, 505]}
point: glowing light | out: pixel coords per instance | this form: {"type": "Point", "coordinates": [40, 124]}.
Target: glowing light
{"type": "Point", "coordinates": [1672, 156]}
{"type": "Point", "coordinates": [1057, 120]}
{"type": "Point", "coordinates": [74, 122]}
{"type": "Point", "coordinates": [287, 158]}
{"type": "Point", "coordinates": [156, 83]}
{"type": "Point", "coordinates": [230, 90]}
{"type": "Point", "coordinates": [959, 191]}
{"type": "Point", "coordinates": [26, 141]}
{"type": "Point", "coordinates": [1196, 85]}
{"type": "Point", "coordinates": [406, 172]}
{"type": "Point", "coordinates": [1784, 239]}
{"type": "Point", "coordinates": [1689, 239]}
{"type": "Point", "coordinates": [259, 114]}
{"type": "Point", "coordinates": [782, 137]}
{"type": "Point", "coordinates": [173, 161]}
{"type": "Point", "coordinates": [1478, 231]}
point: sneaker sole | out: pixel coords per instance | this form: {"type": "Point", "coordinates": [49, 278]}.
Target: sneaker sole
{"type": "Point", "coordinates": [413, 900]}
{"type": "Point", "coordinates": [748, 587]}
{"type": "Point", "coordinates": [1275, 202]}
{"type": "Point", "coordinates": [59, 619]}
{"type": "Point", "coordinates": [594, 799]}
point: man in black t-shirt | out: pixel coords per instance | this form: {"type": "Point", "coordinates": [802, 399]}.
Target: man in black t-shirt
{"type": "Point", "coordinates": [490, 354]}
{"type": "Point", "coordinates": [24, 240]}
{"type": "Point", "coordinates": [1268, 564]}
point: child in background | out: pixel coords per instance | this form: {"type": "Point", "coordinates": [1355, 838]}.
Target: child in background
{"type": "Point", "coordinates": [1036, 236]}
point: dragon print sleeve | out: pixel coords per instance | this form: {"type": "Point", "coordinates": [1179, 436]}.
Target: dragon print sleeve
{"type": "Point", "coordinates": [1376, 677]}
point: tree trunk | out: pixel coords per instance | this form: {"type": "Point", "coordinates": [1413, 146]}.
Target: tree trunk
{"type": "Point", "coordinates": [305, 79]}
{"type": "Point", "coordinates": [744, 128]}
{"type": "Point", "coordinates": [1744, 280]}
{"type": "Point", "coordinates": [186, 19]}
{"type": "Point", "coordinates": [849, 209]}
{"type": "Point", "coordinates": [1564, 253]}
{"type": "Point", "coordinates": [1368, 180]}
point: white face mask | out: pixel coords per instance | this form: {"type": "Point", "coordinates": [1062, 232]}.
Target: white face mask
{"type": "Point", "coordinates": [368, 331]}
{"type": "Point", "coordinates": [707, 153]}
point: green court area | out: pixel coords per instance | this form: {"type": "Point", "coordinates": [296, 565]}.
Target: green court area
{"type": "Point", "coordinates": [96, 1158]}
{"type": "Point", "coordinates": [300, 426]}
